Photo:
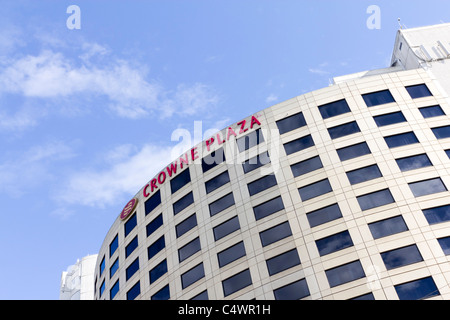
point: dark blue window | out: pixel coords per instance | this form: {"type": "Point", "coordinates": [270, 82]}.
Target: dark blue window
{"type": "Point", "coordinates": [154, 224]}
{"type": "Point", "coordinates": [250, 140]}
{"type": "Point", "coordinates": [163, 294]}
{"type": "Point", "coordinates": [189, 249]}
{"type": "Point", "coordinates": [417, 289]}
{"type": "Point", "coordinates": [275, 234]}
{"type": "Point", "coordinates": [102, 266]}
{"type": "Point", "coordinates": [114, 290]}
{"type": "Point", "coordinates": [180, 181]}
{"type": "Point", "coordinates": [156, 247]}
{"type": "Point", "coordinates": [441, 132]}
{"type": "Point", "coordinates": [102, 288]}
{"type": "Point", "coordinates": [225, 228]}
{"type": "Point", "coordinates": [413, 162]}
{"type": "Point", "coordinates": [114, 268]}
{"type": "Point", "coordinates": [364, 174]}
{"type": "Point", "coordinates": [345, 273]}
{"type": "Point", "coordinates": [324, 215]}
{"type": "Point", "coordinates": [293, 291]}
{"type": "Point", "coordinates": [237, 282]}
{"type": "Point", "coordinates": [186, 225]}
{"type": "Point", "coordinates": [306, 166]}
{"type": "Point", "coordinates": [447, 152]}
{"type": "Point", "coordinates": [183, 203]}
{"type": "Point", "coordinates": [217, 182]}
{"type": "Point", "coordinates": [315, 189]}
{"type": "Point", "coordinates": [387, 227]}
{"type": "Point", "coordinates": [267, 208]}
{"type": "Point", "coordinates": [256, 162]}
{"type": "Point", "coordinates": [375, 199]}
{"type": "Point", "coordinates": [158, 271]}
{"type": "Point", "coordinates": [201, 296]}
{"type": "Point", "coordinates": [153, 202]}
{"type": "Point", "coordinates": [231, 254]}
{"type": "Point", "coordinates": [437, 214]}
{"type": "Point", "coordinates": [132, 269]}
{"type": "Point", "coordinates": [210, 161]}
{"type": "Point", "coordinates": [291, 123]}
{"type": "Point", "coordinates": [221, 204]}
{"type": "Point", "coordinates": [390, 118]}
{"type": "Point", "coordinates": [367, 296]}
{"type": "Point", "coordinates": [298, 144]}
{"type": "Point", "coordinates": [422, 188]}
{"type": "Point", "coordinates": [193, 275]}
{"type": "Point", "coordinates": [378, 98]}
{"type": "Point", "coordinates": [354, 151]}
{"type": "Point", "coordinates": [401, 257]}
{"type": "Point", "coordinates": [343, 130]}
{"type": "Point", "coordinates": [283, 262]}
{"type": "Point", "coordinates": [433, 111]}
{"type": "Point", "coordinates": [262, 184]}
{"type": "Point", "coordinates": [334, 109]}
{"type": "Point", "coordinates": [418, 91]}
{"type": "Point", "coordinates": [113, 245]}
{"type": "Point", "coordinates": [334, 243]}
{"type": "Point", "coordinates": [402, 139]}
{"type": "Point", "coordinates": [131, 246]}
{"type": "Point", "coordinates": [130, 224]}
{"type": "Point", "coordinates": [445, 245]}
{"type": "Point", "coordinates": [134, 291]}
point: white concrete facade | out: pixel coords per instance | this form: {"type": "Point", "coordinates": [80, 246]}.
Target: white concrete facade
{"type": "Point", "coordinates": [77, 282]}
{"type": "Point", "coordinates": [366, 262]}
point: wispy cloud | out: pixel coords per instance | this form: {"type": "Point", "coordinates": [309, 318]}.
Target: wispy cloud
{"type": "Point", "coordinates": [271, 98]}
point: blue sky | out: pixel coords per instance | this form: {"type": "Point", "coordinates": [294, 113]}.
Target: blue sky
{"type": "Point", "coordinates": [87, 115]}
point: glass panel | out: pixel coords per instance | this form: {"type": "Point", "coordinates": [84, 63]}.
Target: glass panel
{"type": "Point", "coordinates": [256, 162]}
{"type": "Point", "coordinates": [131, 246]}
{"type": "Point", "coordinates": [114, 290]}
{"type": "Point", "coordinates": [293, 291]}
{"type": "Point", "coordinates": [201, 296]}
{"type": "Point", "coordinates": [334, 243]}
{"type": "Point", "coordinates": [183, 203]}
{"type": "Point", "coordinates": [130, 224]}
{"type": "Point", "coordinates": [414, 162]}
{"type": "Point", "coordinates": [158, 271]}
{"type": "Point", "coordinates": [401, 257]}
{"type": "Point", "coordinates": [298, 144]}
{"type": "Point", "coordinates": [221, 204]}
{"type": "Point", "coordinates": [267, 208]}
{"type": "Point", "coordinates": [343, 130]}
{"type": "Point", "coordinates": [306, 166]}
{"type": "Point", "coordinates": [113, 245]}
{"type": "Point", "coordinates": [378, 98]}
{"type": "Point", "coordinates": [324, 215]}
{"type": "Point", "coordinates": [391, 118]}
{"type": "Point", "coordinates": [132, 268]}
{"type": "Point", "coordinates": [368, 296]}
{"type": "Point", "coordinates": [364, 174]}
{"type": "Point", "coordinates": [226, 228]}
{"type": "Point", "coordinates": [445, 245]}
{"type": "Point", "coordinates": [387, 227]}
{"type": "Point", "coordinates": [156, 247]}
{"type": "Point", "coordinates": [417, 289]}
{"type": "Point", "coordinates": [345, 273]}
{"type": "Point", "coordinates": [334, 108]}
{"type": "Point", "coordinates": [236, 282]}
{"type": "Point", "coordinates": [262, 184]}
{"type": "Point", "coordinates": [275, 234]}
{"type": "Point", "coordinates": [193, 275]}
{"type": "Point", "coordinates": [422, 188]}
{"type": "Point", "coordinates": [213, 159]}
{"type": "Point", "coordinates": [315, 189]}
{"type": "Point", "coordinates": [134, 291]}
{"type": "Point", "coordinates": [217, 182]}
{"type": "Point", "coordinates": [153, 202]}
{"type": "Point", "coordinates": [437, 214]}
{"type": "Point", "coordinates": [402, 139]}
{"type": "Point", "coordinates": [114, 268]}
{"type": "Point", "coordinates": [375, 199]}
{"type": "Point", "coordinates": [250, 140]}
{"type": "Point", "coordinates": [291, 123]}
{"type": "Point", "coordinates": [433, 111]}
{"type": "Point", "coordinates": [154, 224]}
{"type": "Point", "coordinates": [189, 249]}
{"type": "Point", "coordinates": [283, 262]}
{"type": "Point", "coordinates": [180, 181]}
{"type": "Point", "coordinates": [231, 254]}
{"type": "Point", "coordinates": [441, 132]}
{"type": "Point", "coordinates": [418, 91]}
{"type": "Point", "coordinates": [186, 225]}
{"type": "Point", "coordinates": [163, 294]}
{"type": "Point", "coordinates": [353, 151]}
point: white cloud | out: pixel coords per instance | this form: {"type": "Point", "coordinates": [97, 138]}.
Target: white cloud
{"type": "Point", "coordinates": [271, 98]}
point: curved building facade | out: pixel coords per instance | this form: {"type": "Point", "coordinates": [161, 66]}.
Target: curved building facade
{"type": "Point", "coordinates": [341, 193]}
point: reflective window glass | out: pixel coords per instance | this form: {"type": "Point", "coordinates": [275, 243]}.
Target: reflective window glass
{"type": "Point", "coordinates": [130, 224]}
{"type": "Point", "coordinates": [201, 296]}
{"type": "Point", "coordinates": [102, 288]}
{"type": "Point", "coordinates": [402, 139]}
{"type": "Point", "coordinates": [315, 189]}
{"type": "Point", "coordinates": [334, 243]}
{"type": "Point", "coordinates": [437, 214]}
{"type": "Point", "coordinates": [291, 123]}
{"type": "Point", "coordinates": [132, 269]}
{"type": "Point", "coordinates": [158, 271]}
{"type": "Point", "coordinates": [422, 188]}
{"type": "Point", "coordinates": [267, 208]}
{"type": "Point", "coordinates": [262, 184]}
{"type": "Point", "coordinates": [418, 91]}
{"type": "Point", "coordinates": [413, 162]}
{"type": "Point", "coordinates": [213, 159]}
{"type": "Point", "coordinates": [390, 118]}
{"type": "Point", "coordinates": [445, 245]}
{"type": "Point", "coordinates": [250, 140]}
{"type": "Point", "coordinates": [102, 266]}
{"type": "Point", "coordinates": [345, 273]}
{"type": "Point", "coordinates": [353, 151]}
{"type": "Point", "coordinates": [368, 296]}
{"type": "Point", "coordinates": [306, 166]}
{"type": "Point", "coordinates": [343, 130]}
{"type": "Point", "coordinates": [231, 254]}
{"type": "Point", "coordinates": [221, 204]}
{"type": "Point", "coordinates": [114, 290]}
{"type": "Point", "coordinates": [131, 246]}
{"type": "Point", "coordinates": [163, 294]}
{"type": "Point", "coordinates": [334, 109]}
{"type": "Point", "coordinates": [114, 268]}
{"type": "Point", "coordinates": [387, 227]}
{"type": "Point", "coordinates": [298, 144]}
{"type": "Point", "coordinates": [186, 225]}
{"type": "Point", "coordinates": [256, 162]}
{"type": "Point", "coordinates": [401, 257]}
{"type": "Point", "coordinates": [364, 174]}
{"type": "Point", "coordinates": [441, 132]}
{"type": "Point", "coordinates": [180, 181]}
{"type": "Point", "coordinates": [293, 291]}
{"type": "Point", "coordinates": [183, 203]}
{"type": "Point", "coordinates": [417, 289]}
{"type": "Point", "coordinates": [375, 199]}
{"type": "Point", "coordinates": [217, 182]}
{"type": "Point", "coordinates": [378, 98]}
{"type": "Point", "coordinates": [156, 247]}
{"type": "Point", "coordinates": [113, 245]}
{"type": "Point", "coordinates": [153, 202]}
{"type": "Point", "coordinates": [237, 282]}
{"type": "Point", "coordinates": [189, 249]}
{"type": "Point", "coordinates": [433, 111]}
{"type": "Point", "coordinates": [134, 291]}
{"type": "Point", "coordinates": [324, 215]}
{"type": "Point", "coordinates": [193, 275]}
{"type": "Point", "coordinates": [154, 224]}
{"type": "Point", "coordinates": [275, 234]}
{"type": "Point", "coordinates": [283, 262]}
{"type": "Point", "coordinates": [225, 228]}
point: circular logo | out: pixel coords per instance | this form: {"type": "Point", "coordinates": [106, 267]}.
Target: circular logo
{"type": "Point", "coordinates": [128, 208]}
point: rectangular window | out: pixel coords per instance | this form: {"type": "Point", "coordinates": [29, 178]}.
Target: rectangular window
{"type": "Point", "coordinates": [343, 130]}
{"type": "Point", "coordinates": [156, 247]}
{"type": "Point", "coordinates": [256, 162]}
{"type": "Point", "coordinates": [447, 152]}
{"type": "Point", "coordinates": [201, 296]}
{"type": "Point", "coordinates": [334, 109]}
{"type": "Point", "coordinates": [102, 287]}
{"type": "Point", "coordinates": [153, 202]}
{"type": "Point", "coordinates": [154, 224]}
{"type": "Point", "coordinates": [433, 111]}
{"type": "Point", "coordinates": [298, 144]}
{"type": "Point", "coordinates": [306, 166]}
{"type": "Point", "coordinates": [283, 262]}
{"type": "Point", "coordinates": [221, 204]}
{"type": "Point", "coordinates": [291, 123]}
{"type": "Point", "coordinates": [390, 118]}
{"type": "Point", "coordinates": [441, 132]}
{"type": "Point", "coordinates": [158, 271]}
{"type": "Point", "coordinates": [114, 290]}
{"type": "Point", "coordinates": [401, 257]}
{"type": "Point", "coordinates": [399, 140]}
{"type": "Point", "coordinates": [130, 224]}
{"type": "Point", "coordinates": [445, 245]}
{"type": "Point", "coordinates": [186, 225]}
{"type": "Point", "coordinates": [134, 291]}
{"type": "Point", "coordinates": [189, 249]}
{"type": "Point", "coordinates": [217, 182]}
{"type": "Point", "coordinates": [333, 243]}
{"type": "Point", "coordinates": [231, 254]}
{"type": "Point", "coordinates": [418, 91]}
{"type": "Point", "coordinates": [213, 159]}
{"type": "Point", "coordinates": [262, 184]}
{"type": "Point", "coordinates": [180, 181]}
{"type": "Point", "coordinates": [132, 269]}
{"type": "Point", "coordinates": [225, 228]}
{"type": "Point", "coordinates": [363, 174]}
{"type": "Point", "coordinates": [346, 273]}
{"type": "Point", "coordinates": [315, 189]}
{"type": "Point", "coordinates": [378, 98]}
{"type": "Point", "coordinates": [114, 268]}
{"type": "Point", "coordinates": [102, 266]}
{"type": "Point", "coordinates": [131, 246]}
{"type": "Point", "coordinates": [354, 151]}
{"type": "Point", "coordinates": [193, 275]}
{"type": "Point", "coordinates": [387, 227]}
{"type": "Point", "coordinates": [413, 162]}
{"type": "Point", "coordinates": [267, 208]}
{"type": "Point", "coordinates": [375, 199]}
{"type": "Point", "coordinates": [437, 214]}
{"type": "Point", "coordinates": [163, 294]}
{"type": "Point", "coordinates": [275, 234]}
{"type": "Point", "coordinates": [183, 203]}
{"type": "Point", "coordinates": [113, 245]}
{"type": "Point", "coordinates": [293, 291]}
{"type": "Point", "coordinates": [250, 140]}
{"type": "Point", "coordinates": [237, 282]}
{"type": "Point", "coordinates": [324, 215]}
{"type": "Point", "coordinates": [417, 289]}
{"type": "Point", "coordinates": [422, 188]}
